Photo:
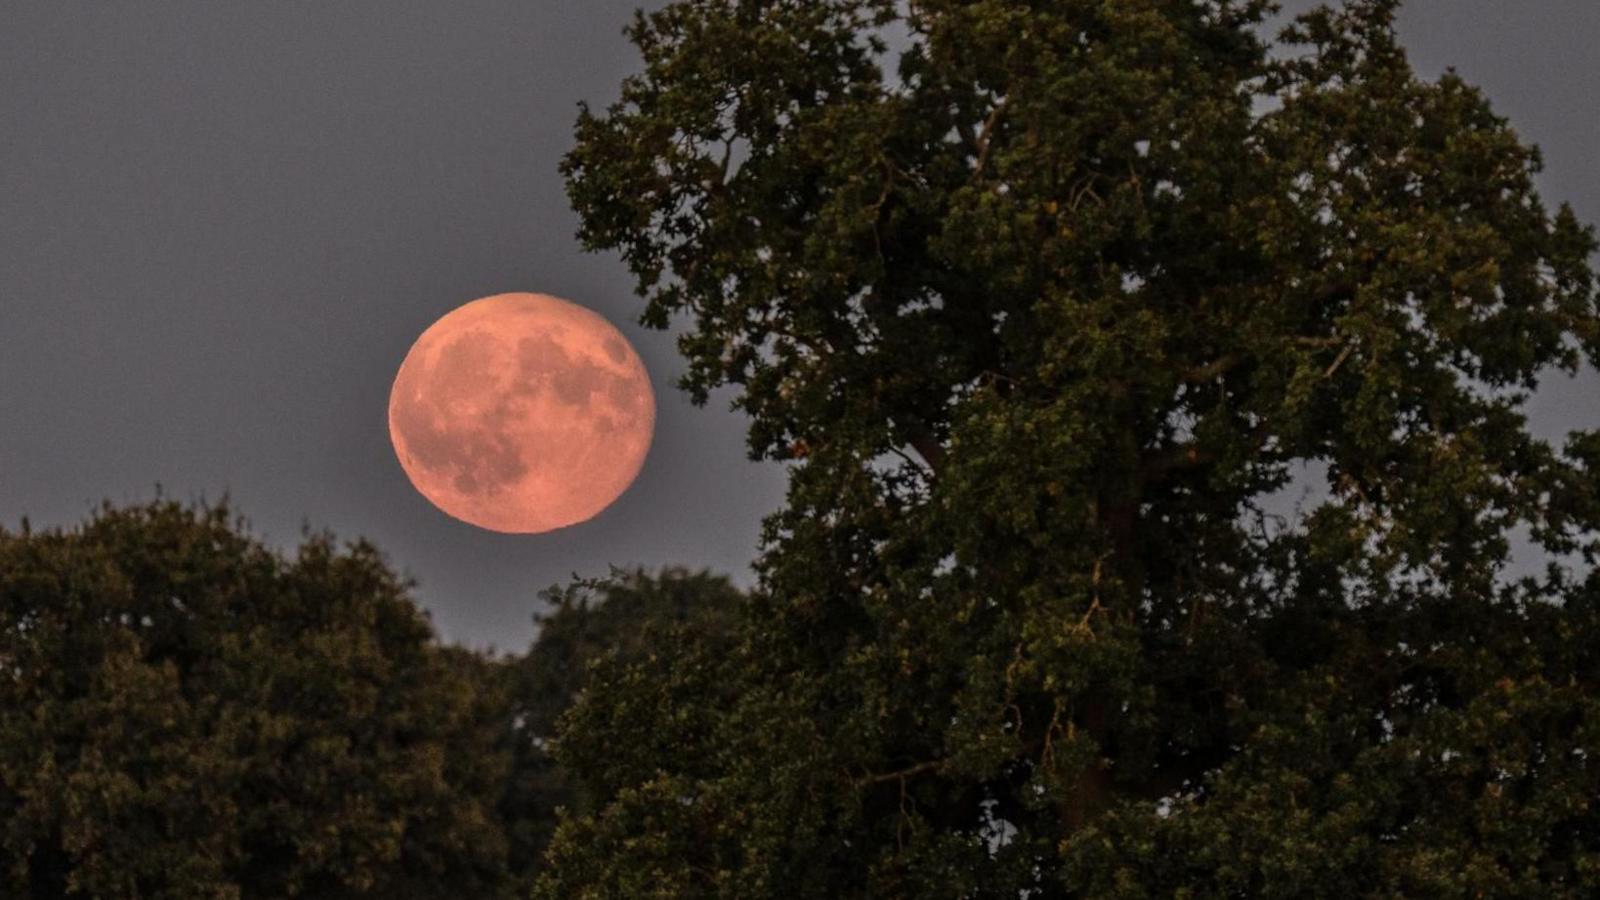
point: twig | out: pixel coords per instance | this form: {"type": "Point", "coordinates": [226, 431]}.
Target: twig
{"type": "Point", "coordinates": [901, 774]}
{"type": "Point", "coordinates": [1209, 371]}
{"type": "Point", "coordinates": [985, 137]}
{"type": "Point", "coordinates": [1343, 355]}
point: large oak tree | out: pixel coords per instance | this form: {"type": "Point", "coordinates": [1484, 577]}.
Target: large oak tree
{"type": "Point", "coordinates": [1048, 303]}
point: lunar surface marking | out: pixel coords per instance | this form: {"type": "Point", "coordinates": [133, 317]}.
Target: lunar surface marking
{"type": "Point", "coordinates": [521, 413]}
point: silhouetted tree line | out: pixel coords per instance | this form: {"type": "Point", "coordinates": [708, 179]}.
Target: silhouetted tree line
{"type": "Point", "coordinates": [187, 713]}
{"type": "Point", "coordinates": [1044, 325]}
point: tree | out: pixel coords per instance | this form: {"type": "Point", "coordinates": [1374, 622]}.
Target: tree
{"type": "Point", "coordinates": [614, 622]}
{"type": "Point", "coordinates": [1046, 325]}
{"type": "Point", "coordinates": [184, 713]}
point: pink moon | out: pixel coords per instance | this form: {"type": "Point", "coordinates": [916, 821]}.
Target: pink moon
{"type": "Point", "coordinates": [521, 413]}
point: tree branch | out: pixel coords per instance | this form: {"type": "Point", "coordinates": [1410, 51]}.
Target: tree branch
{"type": "Point", "coordinates": [929, 448]}
{"type": "Point", "coordinates": [1343, 355]}
{"type": "Point", "coordinates": [1339, 290]}
{"type": "Point", "coordinates": [1213, 369]}
{"type": "Point", "coordinates": [985, 137]}
{"type": "Point", "coordinates": [1329, 341]}
{"type": "Point", "coordinates": [899, 774]}
{"type": "Point", "coordinates": [1091, 788]}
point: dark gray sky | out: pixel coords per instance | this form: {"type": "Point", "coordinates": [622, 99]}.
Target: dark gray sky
{"type": "Point", "coordinates": [223, 223]}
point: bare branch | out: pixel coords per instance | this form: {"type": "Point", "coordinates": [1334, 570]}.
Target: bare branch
{"type": "Point", "coordinates": [929, 449]}
{"type": "Point", "coordinates": [1329, 341]}
{"type": "Point", "coordinates": [916, 464]}
{"type": "Point", "coordinates": [1343, 355]}
{"type": "Point", "coordinates": [985, 138]}
{"type": "Point", "coordinates": [900, 774]}
{"type": "Point", "coordinates": [1213, 369]}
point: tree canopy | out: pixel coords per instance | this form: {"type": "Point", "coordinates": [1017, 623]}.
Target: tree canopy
{"type": "Point", "coordinates": [184, 713]}
{"type": "Point", "coordinates": [625, 619]}
{"type": "Point", "coordinates": [1047, 304]}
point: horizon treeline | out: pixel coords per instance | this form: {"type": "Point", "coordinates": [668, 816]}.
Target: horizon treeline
{"type": "Point", "coordinates": [186, 712]}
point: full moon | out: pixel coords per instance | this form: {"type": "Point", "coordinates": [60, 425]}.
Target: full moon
{"type": "Point", "coordinates": [521, 413]}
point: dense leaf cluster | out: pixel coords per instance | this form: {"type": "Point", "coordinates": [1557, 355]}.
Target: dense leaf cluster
{"type": "Point", "coordinates": [185, 713]}
{"type": "Point", "coordinates": [626, 619]}
{"type": "Point", "coordinates": [1047, 322]}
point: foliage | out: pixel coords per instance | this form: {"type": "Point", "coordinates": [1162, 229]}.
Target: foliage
{"type": "Point", "coordinates": [615, 622]}
{"type": "Point", "coordinates": [186, 714]}
{"type": "Point", "coordinates": [1047, 324]}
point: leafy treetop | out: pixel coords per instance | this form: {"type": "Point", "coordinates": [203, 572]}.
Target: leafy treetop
{"type": "Point", "coordinates": [185, 713]}
{"type": "Point", "coordinates": [1046, 322]}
